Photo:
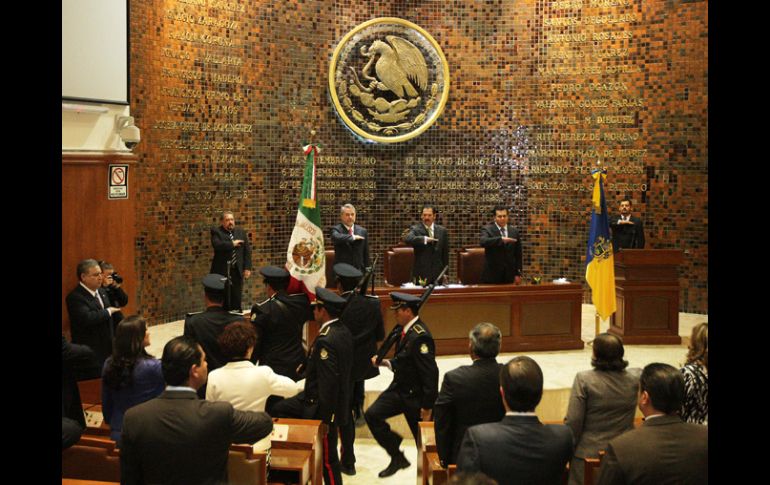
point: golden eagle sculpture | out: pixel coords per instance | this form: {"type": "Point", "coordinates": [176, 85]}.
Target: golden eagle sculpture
{"type": "Point", "coordinates": [400, 64]}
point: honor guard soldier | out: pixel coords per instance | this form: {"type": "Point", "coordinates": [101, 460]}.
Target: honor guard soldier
{"type": "Point", "coordinates": [363, 317]}
{"type": "Point", "coordinates": [415, 381]}
{"type": "Point", "coordinates": [278, 321]}
{"type": "Point", "coordinates": [327, 385]}
{"type": "Point", "coordinates": [205, 327]}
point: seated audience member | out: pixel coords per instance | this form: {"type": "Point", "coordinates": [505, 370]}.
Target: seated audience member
{"type": "Point", "coordinates": [90, 314]}
{"type": "Point", "coordinates": [240, 382]}
{"type": "Point", "coordinates": [131, 375]}
{"type": "Point", "coordinates": [518, 449]}
{"type": "Point", "coordinates": [470, 394]}
{"type": "Point", "coordinates": [602, 403]}
{"type": "Point", "coordinates": [664, 449]}
{"type": "Point", "coordinates": [73, 358]}
{"type": "Point", "coordinates": [695, 408]}
{"type": "Point", "coordinates": [111, 283]}
{"type": "Point", "coordinates": [178, 438]}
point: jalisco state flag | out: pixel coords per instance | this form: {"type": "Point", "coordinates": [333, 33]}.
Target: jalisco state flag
{"type": "Point", "coordinates": [305, 258]}
{"type": "Point", "coordinates": [600, 263]}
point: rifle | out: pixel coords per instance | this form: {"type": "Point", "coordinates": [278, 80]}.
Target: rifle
{"type": "Point", "coordinates": [364, 281]}
{"type": "Point", "coordinates": [395, 333]}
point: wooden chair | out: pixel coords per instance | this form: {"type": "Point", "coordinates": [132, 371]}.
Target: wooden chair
{"type": "Point", "coordinates": [331, 279]}
{"type": "Point", "coordinates": [92, 458]}
{"type": "Point", "coordinates": [398, 264]}
{"type": "Point", "coordinates": [90, 391]}
{"type": "Point", "coordinates": [591, 469]}
{"type": "Point", "coordinates": [470, 265]}
{"type": "Point", "coordinates": [245, 467]}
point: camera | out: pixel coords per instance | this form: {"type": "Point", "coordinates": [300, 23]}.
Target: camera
{"type": "Point", "coordinates": [128, 131]}
{"type": "Point", "coordinates": [117, 278]}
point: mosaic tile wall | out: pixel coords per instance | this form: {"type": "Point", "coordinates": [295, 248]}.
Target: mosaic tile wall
{"type": "Point", "coordinates": [227, 91]}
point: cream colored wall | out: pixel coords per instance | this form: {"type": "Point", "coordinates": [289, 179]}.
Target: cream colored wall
{"type": "Point", "coordinates": [92, 132]}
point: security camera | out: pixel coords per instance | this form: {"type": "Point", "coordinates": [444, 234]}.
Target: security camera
{"type": "Point", "coordinates": [128, 132]}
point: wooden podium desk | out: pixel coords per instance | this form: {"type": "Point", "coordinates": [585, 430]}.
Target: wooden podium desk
{"type": "Point", "coordinates": [530, 317]}
{"type": "Point", "coordinates": [304, 438]}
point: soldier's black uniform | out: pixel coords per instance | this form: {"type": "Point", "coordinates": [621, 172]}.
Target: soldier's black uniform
{"type": "Point", "coordinates": [278, 321]}
{"type": "Point", "coordinates": [327, 390]}
{"type": "Point", "coordinates": [414, 386]}
{"type": "Point", "coordinates": [363, 317]}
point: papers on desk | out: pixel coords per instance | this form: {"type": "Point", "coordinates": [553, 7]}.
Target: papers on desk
{"type": "Point", "coordinates": [412, 286]}
{"type": "Point", "coordinates": [280, 433]}
{"type": "Point", "coordinates": [455, 285]}
{"type": "Point", "coordinates": [561, 281]}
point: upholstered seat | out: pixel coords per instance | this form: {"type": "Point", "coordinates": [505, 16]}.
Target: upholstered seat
{"type": "Point", "coordinates": [470, 265]}
{"type": "Point", "coordinates": [399, 261]}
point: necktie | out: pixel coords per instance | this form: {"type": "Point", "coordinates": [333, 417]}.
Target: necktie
{"type": "Point", "coordinates": [232, 256]}
{"type": "Point", "coordinates": [351, 230]}
{"type": "Point", "coordinates": [430, 233]}
{"type": "Point", "coordinates": [99, 299]}
{"type": "Point", "coordinates": [503, 232]}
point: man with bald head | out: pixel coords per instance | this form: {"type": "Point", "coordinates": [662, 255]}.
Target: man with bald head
{"type": "Point", "coordinates": [470, 394]}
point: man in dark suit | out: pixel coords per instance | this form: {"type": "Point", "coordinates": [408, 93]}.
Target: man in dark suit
{"type": "Point", "coordinates": [117, 295]}
{"type": "Point", "coordinates": [362, 316]}
{"type": "Point", "coordinates": [431, 247]}
{"type": "Point", "coordinates": [177, 438]}
{"type": "Point", "coordinates": [205, 327]}
{"type": "Point", "coordinates": [627, 230]}
{"type": "Point", "coordinates": [278, 321]}
{"type": "Point", "coordinates": [231, 251]}
{"type": "Point", "coordinates": [90, 314]}
{"type": "Point", "coordinates": [351, 242]}
{"type": "Point", "coordinates": [327, 385]}
{"type": "Point", "coordinates": [502, 250]}
{"type": "Point", "coordinates": [415, 382]}
{"type": "Point", "coordinates": [470, 394]}
{"type": "Point", "coordinates": [664, 449]}
{"type": "Point", "coordinates": [518, 449]}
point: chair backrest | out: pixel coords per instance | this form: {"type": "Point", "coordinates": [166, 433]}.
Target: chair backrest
{"type": "Point", "coordinates": [331, 280]}
{"type": "Point", "coordinates": [90, 391]}
{"type": "Point", "coordinates": [591, 469]}
{"type": "Point", "coordinates": [399, 261]}
{"type": "Point", "coordinates": [91, 458]}
{"type": "Point", "coordinates": [470, 265]}
{"type": "Point", "coordinates": [245, 467]}
{"type": "Point", "coordinates": [450, 471]}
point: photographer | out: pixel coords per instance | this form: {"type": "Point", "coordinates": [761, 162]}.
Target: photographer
{"type": "Point", "coordinates": [111, 282]}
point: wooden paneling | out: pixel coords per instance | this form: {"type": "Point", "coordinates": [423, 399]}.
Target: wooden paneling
{"type": "Point", "coordinates": [94, 226]}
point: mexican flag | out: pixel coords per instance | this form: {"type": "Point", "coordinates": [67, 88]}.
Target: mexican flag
{"type": "Point", "coordinates": [305, 257]}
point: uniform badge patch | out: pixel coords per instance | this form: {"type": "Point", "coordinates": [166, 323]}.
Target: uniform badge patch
{"type": "Point", "coordinates": [324, 354]}
{"type": "Point", "coordinates": [424, 348]}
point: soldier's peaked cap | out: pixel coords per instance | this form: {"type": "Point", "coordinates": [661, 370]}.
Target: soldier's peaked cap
{"type": "Point", "coordinates": [404, 299]}
{"type": "Point", "coordinates": [214, 282]}
{"type": "Point", "coordinates": [328, 298]}
{"type": "Point", "coordinates": [273, 273]}
{"type": "Point", "coordinates": [344, 270]}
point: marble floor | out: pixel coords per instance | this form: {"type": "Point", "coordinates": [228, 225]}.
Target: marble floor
{"type": "Point", "coordinates": [559, 368]}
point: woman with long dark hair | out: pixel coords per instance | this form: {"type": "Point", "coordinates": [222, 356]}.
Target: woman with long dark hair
{"type": "Point", "coordinates": [131, 375]}
{"type": "Point", "coordinates": [695, 408]}
{"type": "Point", "coordinates": [602, 404]}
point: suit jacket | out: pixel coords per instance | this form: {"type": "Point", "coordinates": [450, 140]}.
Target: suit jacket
{"type": "Point", "coordinates": [363, 318]}
{"type": "Point", "coordinates": [518, 449]}
{"type": "Point", "coordinates": [223, 251]}
{"type": "Point", "coordinates": [415, 373]}
{"type": "Point", "coordinates": [627, 236]}
{"type": "Point", "coordinates": [278, 321]}
{"type": "Point", "coordinates": [664, 450]}
{"type": "Point", "coordinates": [431, 258]}
{"type": "Point", "coordinates": [90, 324]}
{"type": "Point", "coordinates": [327, 381]}
{"type": "Point", "coordinates": [177, 438]}
{"type": "Point", "coordinates": [350, 251]}
{"type": "Point", "coordinates": [601, 407]}
{"type": "Point", "coordinates": [502, 262]}
{"type": "Point", "coordinates": [206, 327]}
{"type": "Point", "coordinates": [247, 386]}
{"type": "Point", "coordinates": [469, 395]}
{"type": "Point", "coordinates": [73, 357]}
{"type": "Point", "coordinates": [118, 298]}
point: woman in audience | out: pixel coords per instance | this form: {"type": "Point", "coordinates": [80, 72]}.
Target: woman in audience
{"type": "Point", "coordinates": [130, 376]}
{"type": "Point", "coordinates": [602, 403]}
{"type": "Point", "coordinates": [244, 385]}
{"type": "Point", "coordinates": [695, 408]}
